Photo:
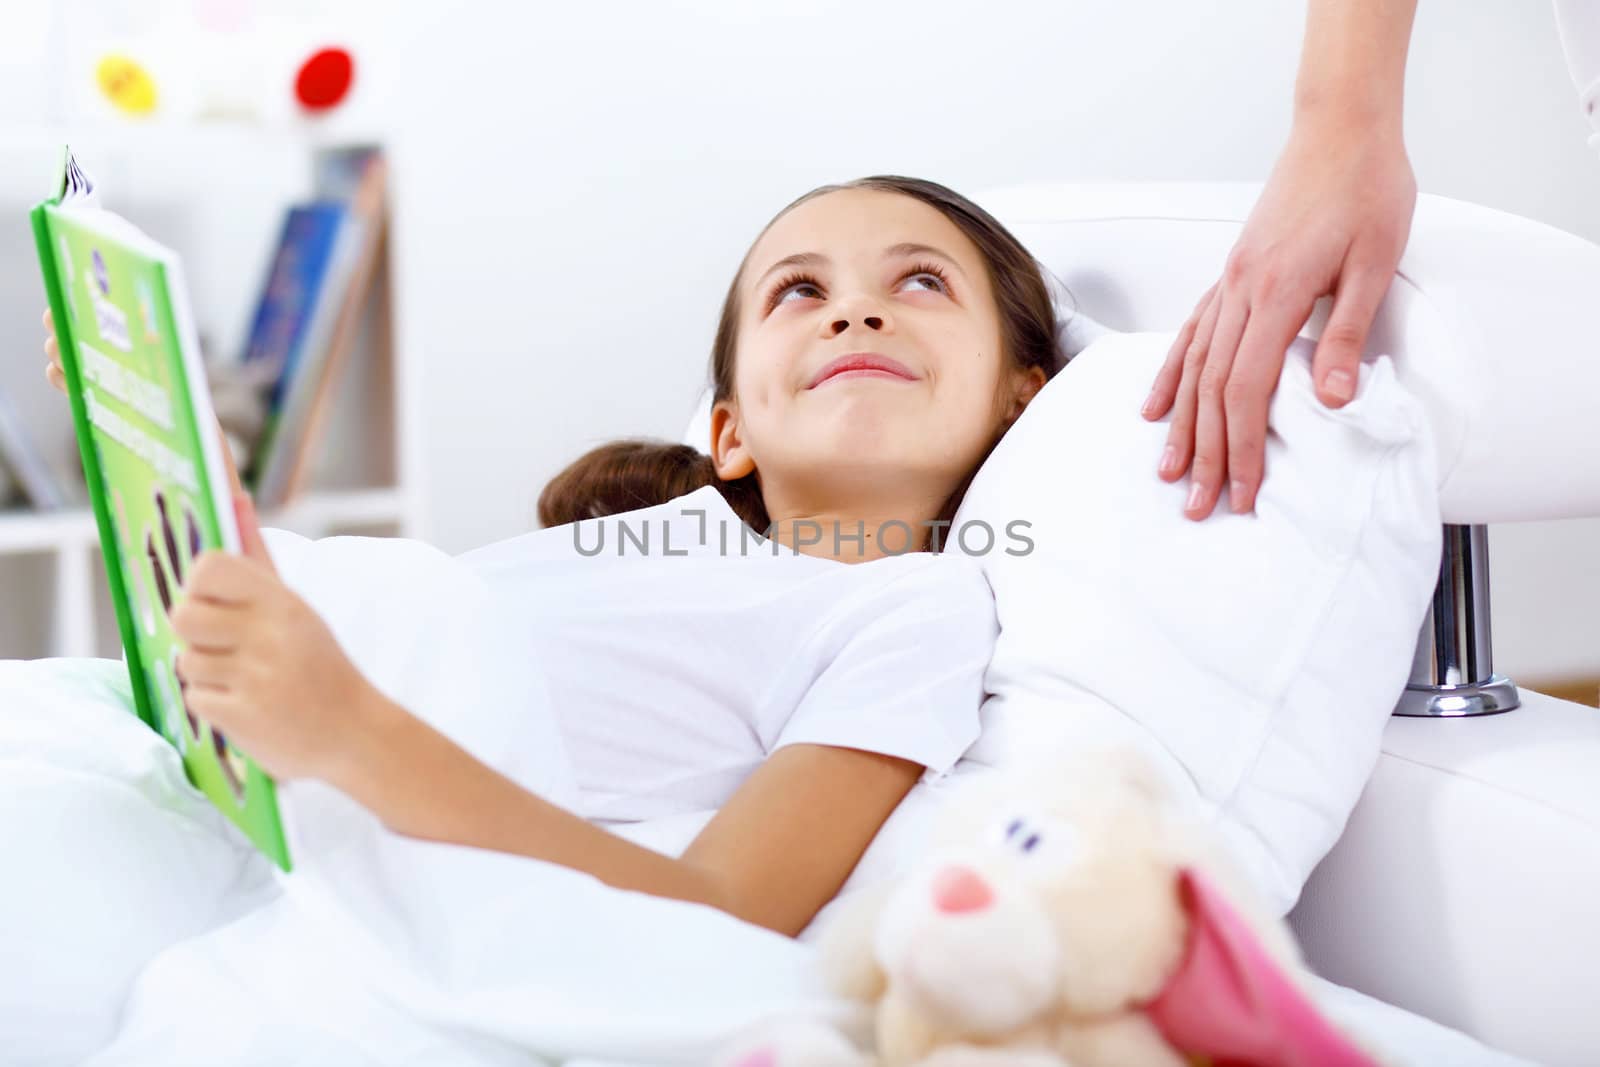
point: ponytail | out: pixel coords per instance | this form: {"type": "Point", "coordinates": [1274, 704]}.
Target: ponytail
{"type": "Point", "coordinates": [638, 473]}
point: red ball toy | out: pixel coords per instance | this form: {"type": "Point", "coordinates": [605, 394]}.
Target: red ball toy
{"type": "Point", "coordinates": [324, 79]}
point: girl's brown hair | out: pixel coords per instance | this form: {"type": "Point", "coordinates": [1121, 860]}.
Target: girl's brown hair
{"type": "Point", "coordinates": [641, 472]}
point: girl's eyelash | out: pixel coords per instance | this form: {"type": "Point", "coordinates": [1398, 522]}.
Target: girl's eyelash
{"type": "Point", "coordinates": [791, 280]}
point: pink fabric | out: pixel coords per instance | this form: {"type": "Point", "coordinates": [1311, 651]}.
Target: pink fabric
{"type": "Point", "coordinates": [1230, 1003]}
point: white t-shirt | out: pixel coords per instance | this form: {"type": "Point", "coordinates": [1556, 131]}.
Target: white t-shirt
{"type": "Point", "coordinates": [682, 649]}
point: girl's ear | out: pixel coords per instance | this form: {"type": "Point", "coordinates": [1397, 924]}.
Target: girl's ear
{"type": "Point", "coordinates": [1028, 386]}
{"type": "Point", "coordinates": [729, 457]}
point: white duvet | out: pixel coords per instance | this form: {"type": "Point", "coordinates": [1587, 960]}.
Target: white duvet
{"type": "Point", "coordinates": [137, 926]}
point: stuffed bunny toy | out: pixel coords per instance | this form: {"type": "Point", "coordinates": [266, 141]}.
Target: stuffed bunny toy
{"type": "Point", "coordinates": [1068, 915]}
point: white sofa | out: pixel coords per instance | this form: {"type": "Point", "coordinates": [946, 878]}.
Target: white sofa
{"type": "Point", "coordinates": [1466, 886]}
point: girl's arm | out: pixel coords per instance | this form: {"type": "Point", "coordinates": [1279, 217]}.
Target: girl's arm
{"type": "Point", "coordinates": [262, 665]}
{"type": "Point", "coordinates": [775, 853]}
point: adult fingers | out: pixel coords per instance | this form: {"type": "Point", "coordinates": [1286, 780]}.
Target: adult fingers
{"type": "Point", "coordinates": [1334, 367]}
{"type": "Point", "coordinates": [1246, 398]}
{"type": "Point", "coordinates": [1165, 387]}
{"type": "Point", "coordinates": [1211, 431]}
{"type": "Point", "coordinates": [1180, 432]}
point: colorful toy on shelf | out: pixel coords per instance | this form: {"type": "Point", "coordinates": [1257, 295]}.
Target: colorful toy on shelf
{"type": "Point", "coordinates": [126, 83]}
{"type": "Point", "coordinates": [324, 79]}
{"type": "Point", "coordinates": [235, 60]}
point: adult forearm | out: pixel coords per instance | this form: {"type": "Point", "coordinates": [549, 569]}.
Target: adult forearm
{"type": "Point", "coordinates": [421, 784]}
{"type": "Point", "coordinates": [1353, 62]}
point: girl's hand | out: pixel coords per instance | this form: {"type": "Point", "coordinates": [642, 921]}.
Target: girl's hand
{"type": "Point", "coordinates": [52, 368]}
{"type": "Point", "coordinates": [260, 665]}
{"type": "Point", "coordinates": [58, 378]}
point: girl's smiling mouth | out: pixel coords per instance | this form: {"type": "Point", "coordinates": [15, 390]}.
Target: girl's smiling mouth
{"type": "Point", "coordinates": [862, 364]}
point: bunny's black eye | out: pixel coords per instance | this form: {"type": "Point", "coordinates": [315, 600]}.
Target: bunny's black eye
{"type": "Point", "coordinates": [1013, 829]}
{"type": "Point", "coordinates": [1031, 843]}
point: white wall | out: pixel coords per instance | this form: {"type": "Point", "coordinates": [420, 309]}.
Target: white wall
{"type": "Point", "coordinates": [575, 185]}
{"type": "Point", "coordinates": [578, 185]}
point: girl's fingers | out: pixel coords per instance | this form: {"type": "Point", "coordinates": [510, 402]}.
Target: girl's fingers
{"type": "Point", "coordinates": [53, 372]}
{"type": "Point", "coordinates": [205, 626]}
{"type": "Point", "coordinates": [49, 323]}
{"type": "Point", "coordinates": [204, 670]}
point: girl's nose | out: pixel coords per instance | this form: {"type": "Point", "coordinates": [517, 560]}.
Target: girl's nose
{"type": "Point", "coordinates": [872, 322]}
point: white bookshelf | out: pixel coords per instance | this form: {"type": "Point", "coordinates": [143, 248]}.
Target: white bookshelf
{"type": "Point", "coordinates": [54, 594]}
{"type": "Point", "coordinates": [83, 623]}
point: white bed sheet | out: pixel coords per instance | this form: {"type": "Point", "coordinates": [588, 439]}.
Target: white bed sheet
{"type": "Point", "coordinates": [138, 927]}
{"type": "Point", "coordinates": [242, 973]}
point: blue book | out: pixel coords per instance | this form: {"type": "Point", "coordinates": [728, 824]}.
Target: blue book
{"type": "Point", "coordinates": [295, 293]}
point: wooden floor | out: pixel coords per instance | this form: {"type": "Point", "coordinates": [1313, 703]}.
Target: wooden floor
{"type": "Point", "coordinates": [1580, 690]}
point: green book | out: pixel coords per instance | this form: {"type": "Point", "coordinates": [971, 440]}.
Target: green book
{"type": "Point", "coordinates": [157, 480]}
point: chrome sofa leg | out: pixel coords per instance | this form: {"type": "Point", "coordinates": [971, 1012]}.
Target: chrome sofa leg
{"type": "Point", "coordinates": [1452, 673]}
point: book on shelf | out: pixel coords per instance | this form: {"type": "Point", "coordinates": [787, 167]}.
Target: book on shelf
{"type": "Point", "coordinates": [157, 482]}
{"type": "Point", "coordinates": [308, 315]}
{"type": "Point", "coordinates": [26, 465]}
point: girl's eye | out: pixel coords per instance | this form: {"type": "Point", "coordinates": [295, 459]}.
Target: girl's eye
{"type": "Point", "coordinates": [924, 269]}
{"type": "Point", "coordinates": [806, 281]}
{"type": "Point", "coordinates": [793, 281]}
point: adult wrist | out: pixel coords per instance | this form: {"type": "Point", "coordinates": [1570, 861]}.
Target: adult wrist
{"type": "Point", "coordinates": [1356, 114]}
{"type": "Point", "coordinates": [1348, 130]}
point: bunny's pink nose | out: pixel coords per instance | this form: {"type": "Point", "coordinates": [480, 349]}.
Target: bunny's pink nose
{"type": "Point", "coordinates": [959, 889]}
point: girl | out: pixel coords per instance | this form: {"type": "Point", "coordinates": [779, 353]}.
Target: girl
{"type": "Point", "coordinates": [770, 632]}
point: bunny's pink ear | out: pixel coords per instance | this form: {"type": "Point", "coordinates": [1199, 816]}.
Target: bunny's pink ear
{"type": "Point", "coordinates": [761, 1057]}
{"type": "Point", "coordinates": [1232, 1004]}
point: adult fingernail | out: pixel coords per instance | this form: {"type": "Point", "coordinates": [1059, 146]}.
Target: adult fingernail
{"type": "Point", "coordinates": [1149, 408]}
{"type": "Point", "coordinates": [1197, 493]}
{"type": "Point", "coordinates": [1236, 495]}
{"type": "Point", "coordinates": [1339, 385]}
{"type": "Point", "coordinates": [1169, 459]}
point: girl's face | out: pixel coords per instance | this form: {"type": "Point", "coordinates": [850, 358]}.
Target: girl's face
{"type": "Point", "coordinates": [865, 271]}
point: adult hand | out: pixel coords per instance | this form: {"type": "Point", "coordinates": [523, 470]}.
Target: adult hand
{"type": "Point", "coordinates": [1333, 217]}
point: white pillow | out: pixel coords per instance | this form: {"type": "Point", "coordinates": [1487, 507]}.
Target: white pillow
{"type": "Point", "coordinates": [1257, 656]}
{"type": "Point", "coordinates": [110, 855]}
